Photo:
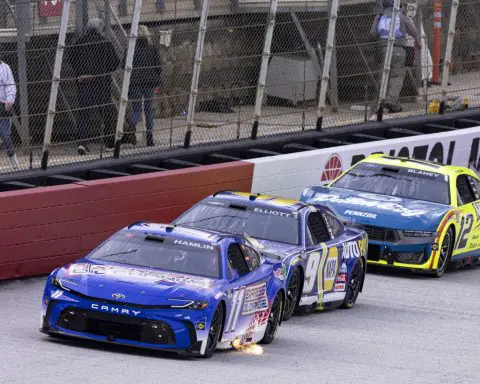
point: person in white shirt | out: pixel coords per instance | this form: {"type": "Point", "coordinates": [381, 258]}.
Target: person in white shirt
{"type": "Point", "coordinates": [8, 94]}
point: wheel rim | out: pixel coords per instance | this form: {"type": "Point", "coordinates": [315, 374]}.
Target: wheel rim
{"type": "Point", "coordinates": [354, 283]}
{"type": "Point", "coordinates": [213, 331]}
{"type": "Point", "coordinates": [444, 252]}
{"type": "Point", "coordinates": [274, 317]}
{"type": "Point", "coordinates": [292, 293]}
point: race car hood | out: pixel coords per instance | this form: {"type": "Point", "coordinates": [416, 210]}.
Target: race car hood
{"type": "Point", "coordinates": [273, 249]}
{"type": "Point", "coordinates": [377, 210]}
{"type": "Point", "coordinates": [140, 286]}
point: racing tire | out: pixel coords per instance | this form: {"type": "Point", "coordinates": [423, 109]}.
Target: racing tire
{"type": "Point", "coordinates": [354, 284]}
{"type": "Point", "coordinates": [214, 332]}
{"type": "Point", "coordinates": [273, 320]}
{"type": "Point", "coordinates": [445, 254]}
{"type": "Point", "coordinates": [293, 294]}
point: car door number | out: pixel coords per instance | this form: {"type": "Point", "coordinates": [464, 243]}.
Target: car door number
{"type": "Point", "coordinates": [465, 228]}
{"type": "Point", "coordinates": [311, 271]}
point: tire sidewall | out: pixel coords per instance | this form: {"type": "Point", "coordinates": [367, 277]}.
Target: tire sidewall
{"type": "Point", "coordinates": [441, 272]}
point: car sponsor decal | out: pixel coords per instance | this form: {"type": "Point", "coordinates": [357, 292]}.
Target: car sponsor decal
{"type": "Point", "coordinates": [339, 287]}
{"type": "Point", "coordinates": [365, 202]}
{"type": "Point", "coordinates": [246, 300]}
{"type": "Point", "coordinates": [332, 169]}
{"type": "Point", "coordinates": [351, 212]}
{"type": "Point", "coordinates": [153, 276]}
{"type": "Point", "coordinates": [330, 269]}
{"type": "Point", "coordinates": [280, 273]}
{"type": "Point", "coordinates": [355, 249]}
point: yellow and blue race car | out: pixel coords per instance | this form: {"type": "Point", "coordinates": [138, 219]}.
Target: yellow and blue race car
{"type": "Point", "coordinates": [418, 214]}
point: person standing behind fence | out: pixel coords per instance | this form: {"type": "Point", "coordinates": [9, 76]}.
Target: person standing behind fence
{"type": "Point", "coordinates": [146, 77]}
{"type": "Point", "coordinates": [93, 60]}
{"type": "Point", "coordinates": [403, 28]}
{"type": "Point", "coordinates": [8, 94]}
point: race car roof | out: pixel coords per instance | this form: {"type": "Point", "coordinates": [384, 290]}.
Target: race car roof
{"type": "Point", "coordinates": [179, 232]}
{"type": "Point", "coordinates": [257, 199]}
{"type": "Point", "coordinates": [423, 165]}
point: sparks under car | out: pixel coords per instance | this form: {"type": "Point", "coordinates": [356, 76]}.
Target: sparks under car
{"type": "Point", "coordinates": [418, 214]}
{"type": "Point", "coordinates": [169, 288]}
{"type": "Point", "coordinates": [325, 260]}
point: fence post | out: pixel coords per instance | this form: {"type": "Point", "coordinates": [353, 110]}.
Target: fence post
{"type": "Point", "coordinates": [23, 18]}
{"type": "Point", "coordinates": [437, 40]}
{"type": "Point", "coordinates": [262, 77]}
{"type": "Point", "coordinates": [448, 53]}
{"type": "Point", "coordinates": [332, 22]}
{"type": "Point", "coordinates": [127, 72]}
{"type": "Point", "coordinates": [52, 104]}
{"type": "Point", "coordinates": [388, 61]}
{"type": "Point", "coordinates": [196, 73]}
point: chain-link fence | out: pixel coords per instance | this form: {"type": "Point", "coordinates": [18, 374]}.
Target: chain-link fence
{"type": "Point", "coordinates": [107, 79]}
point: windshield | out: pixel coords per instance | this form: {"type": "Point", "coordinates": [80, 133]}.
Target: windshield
{"type": "Point", "coordinates": [396, 181]}
{"type": "Point", "coordinates": [167, 253]}
{"type": "Point", "coordinates": [261, 223]}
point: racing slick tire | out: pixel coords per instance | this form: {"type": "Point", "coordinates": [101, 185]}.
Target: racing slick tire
{"type": "Point", "coordinates": [293, 294]}
{"type": "Point", "coordinates": [354, 284]}
{"type": "Point", "coordinates": [445, 254]}
{"type": "Point", "coordinates": [273, 320]}
{"type": "Point", "coordinates": [215, 332]}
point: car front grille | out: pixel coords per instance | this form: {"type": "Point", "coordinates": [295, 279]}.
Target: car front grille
{"type": "Point", "coordinates": [116, 326]}
{"type": "Point", "coordinates": [380, 234]}
{"type": "Point", "coordinates": [410, 257]}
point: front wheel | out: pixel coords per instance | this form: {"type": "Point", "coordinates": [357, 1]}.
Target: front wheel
{"type": "Point", "coordinates": [214, 332]}
{"type": "Point", "coordinates": [293, 293]}
{"type": "Point", "coordinates": [445, 253]}
{"type": "Point", "coordinates": [354, 284]}
{"type": "Point", "coordinates": [273, 320]}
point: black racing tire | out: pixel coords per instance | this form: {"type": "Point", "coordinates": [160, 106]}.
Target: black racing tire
{"type": "Point", "coordinates": [445, 254]}
{"type": "Point", "coordinates": [354, 284]}
{"type": "Point", "coordinates": [214, 332]}
{"type": "Point", "coordinates": [273, 319]}
{"type": "Point", "coordinates": [293, 294]}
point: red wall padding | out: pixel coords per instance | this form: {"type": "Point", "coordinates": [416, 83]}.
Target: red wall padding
{"type": "Point", "coordinates": [43, 228]}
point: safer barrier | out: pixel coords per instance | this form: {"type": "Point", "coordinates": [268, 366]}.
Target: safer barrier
{"type": "Point", "coordinates": [43, 228]}
{"type": "Point", "coordinates": [287, 175]}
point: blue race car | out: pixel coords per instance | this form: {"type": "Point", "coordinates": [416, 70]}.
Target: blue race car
{"type": "Point", "coordinates": [325, 261]}
{"type": "Point", "coordinates": [419, 215]}
{"type": "Point", "coordinates": [169, 288]}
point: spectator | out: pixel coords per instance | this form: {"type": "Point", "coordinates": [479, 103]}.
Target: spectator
{"type": "Point", "coordinates": [93, 60]}
{"type": "Point", "coordinates": [8, 93]}
{"type": "Point", "coordinates": [146, 77]}
{"type": "Point", "coordinates": [403, 28]}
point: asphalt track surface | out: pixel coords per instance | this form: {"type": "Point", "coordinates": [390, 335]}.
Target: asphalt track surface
{"type": "Point", "coordinates": [404, 329]}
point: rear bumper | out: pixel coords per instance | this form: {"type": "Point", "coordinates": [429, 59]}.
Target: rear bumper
{"type": "Point", "coordinates": [159, 329]}
{"type": "Point", "coordinates": [412, 256]}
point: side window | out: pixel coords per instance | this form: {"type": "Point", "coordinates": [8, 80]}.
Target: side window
{"type": "Point", "coordinates": [236, 260]}
{"type": "Point", "coordinates": [475, 184]}
{"type": "Point", "coordinates": [336, 227]}
{"type": "Point", "coordinates": [465, 192]}
{"type": "Point", "coordinates": [317, 228]}
{"type": "Point", "coordinates": [251, 257]}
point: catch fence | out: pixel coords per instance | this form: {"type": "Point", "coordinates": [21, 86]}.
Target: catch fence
{"type": "Point", "coordinates": [109, 79]}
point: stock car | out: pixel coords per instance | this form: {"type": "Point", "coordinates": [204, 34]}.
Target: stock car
{"type": "Point", "coordinates": [325, 261]}
{"type": "Point", "coordinates": [418, 215]}
{"type": "Point", "coordinates": [170, 288]}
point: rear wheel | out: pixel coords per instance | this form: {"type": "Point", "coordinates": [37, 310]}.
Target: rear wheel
{"type": "Point", "coordinates": [273, 320]}
{"type": "Point", "coordinates": [293, 292]}
{"type": "Point", "coordinates": [214, 332]}
{"type": "Point", "coordinates": [445, 253]}
{"type": "Point", "coordinates": [354, 284]}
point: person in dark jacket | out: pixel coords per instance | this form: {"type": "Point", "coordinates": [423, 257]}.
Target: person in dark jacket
{"type": "Point", "coordinates": [93, 59]}
{"type": "Point", "coordinates": [145, 79]}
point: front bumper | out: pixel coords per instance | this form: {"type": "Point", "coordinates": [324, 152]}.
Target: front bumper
{"type": "Point", "coordinates": [410, 256]}
{"type": "Point", "coordinates": [163, 329]}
